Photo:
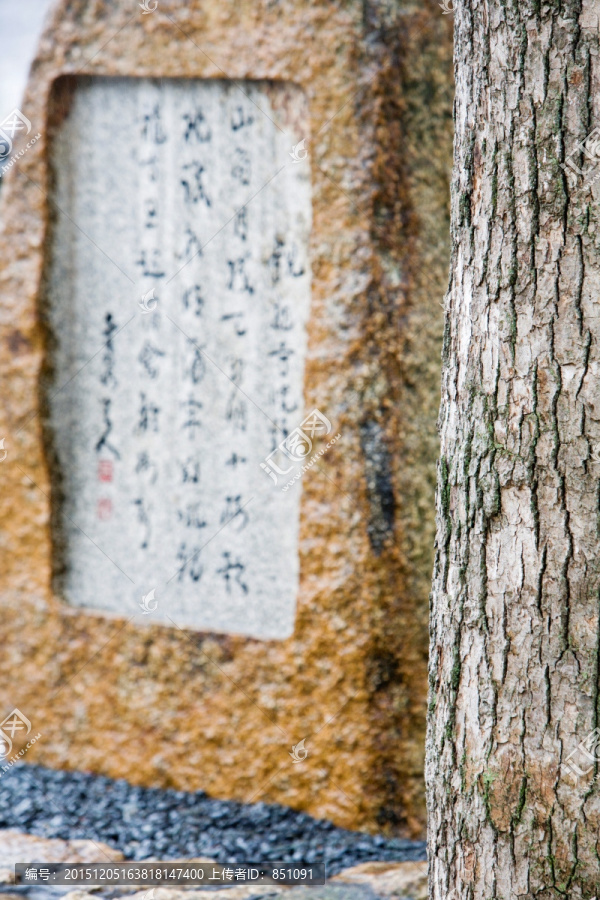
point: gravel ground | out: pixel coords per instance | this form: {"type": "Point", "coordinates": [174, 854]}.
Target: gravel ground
{"type": "Point", "coordinates": [166, 824]}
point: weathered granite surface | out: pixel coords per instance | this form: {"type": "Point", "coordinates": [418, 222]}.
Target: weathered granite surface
{"type": "Point", "coordinates": [168, 707]}
{"type": "Point", "coordinates": [15, 846]}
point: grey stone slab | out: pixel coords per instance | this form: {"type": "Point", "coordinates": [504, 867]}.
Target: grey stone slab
{"type": "Point", "coordinates": [182, 192]}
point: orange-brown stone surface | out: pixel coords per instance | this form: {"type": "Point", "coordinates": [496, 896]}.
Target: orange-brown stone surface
{"type": "Point", "coordinates": [160, 706]}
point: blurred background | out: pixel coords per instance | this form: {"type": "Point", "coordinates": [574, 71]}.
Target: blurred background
{"type": "Point", "coordinates": [20, 27]}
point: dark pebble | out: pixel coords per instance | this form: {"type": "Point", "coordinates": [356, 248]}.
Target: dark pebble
{"type": "Point", "coordinates": [166, 824]}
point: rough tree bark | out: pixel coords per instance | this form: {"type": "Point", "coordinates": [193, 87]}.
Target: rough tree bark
{"type": "Point", "coordinates": [514, 665]}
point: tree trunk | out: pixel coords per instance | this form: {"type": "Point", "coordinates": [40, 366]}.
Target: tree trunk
{"type": "Point", "coordinates": [514, 663]}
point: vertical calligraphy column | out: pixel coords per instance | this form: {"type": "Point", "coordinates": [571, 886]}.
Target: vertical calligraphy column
{"type": "Point", "coordinates": [146, 353]}
{"type": "Point", "coordinates": [195, 220]}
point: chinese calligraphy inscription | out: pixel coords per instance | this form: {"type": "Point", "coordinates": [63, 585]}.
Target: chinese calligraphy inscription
{"type": "Point", "coordinates": [178, 294]}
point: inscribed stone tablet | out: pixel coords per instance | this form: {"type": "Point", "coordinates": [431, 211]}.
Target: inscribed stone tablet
{"type": "Point", "coordinates": [183, 193]}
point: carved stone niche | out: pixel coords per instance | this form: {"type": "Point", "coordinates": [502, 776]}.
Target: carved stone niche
{"type": "Point", "coordinates": [178, 292]}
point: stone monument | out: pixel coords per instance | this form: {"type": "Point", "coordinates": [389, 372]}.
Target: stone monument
{"type": "Point", "coordinates": [220, 268]}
